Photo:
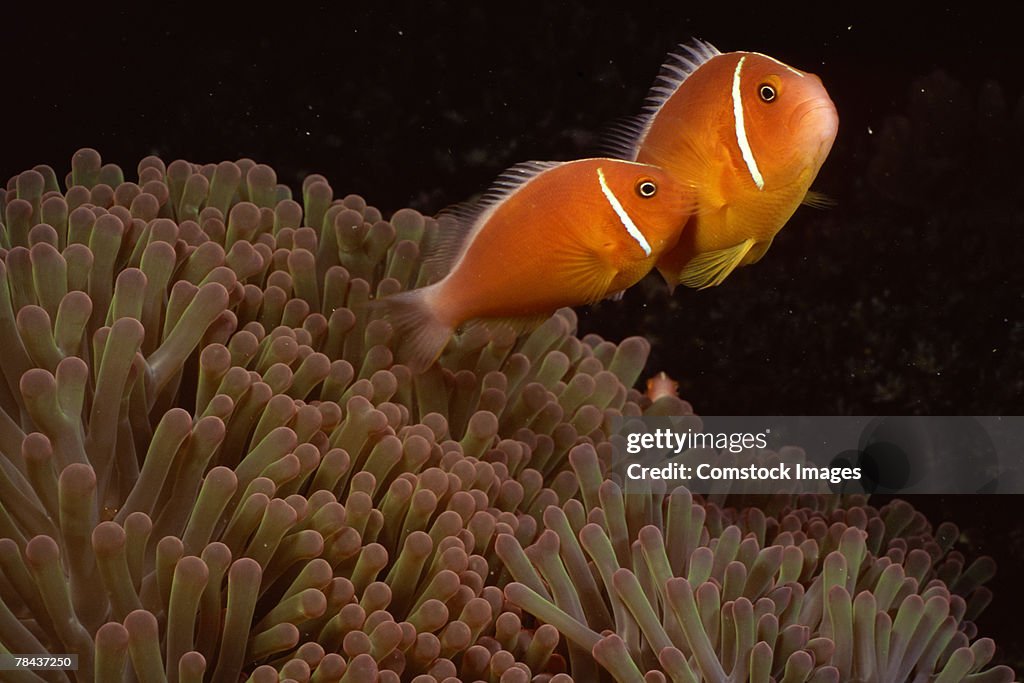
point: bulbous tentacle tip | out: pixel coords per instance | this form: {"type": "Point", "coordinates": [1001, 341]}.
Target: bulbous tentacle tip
{"type": "Point", "coordinates": [200, 390]}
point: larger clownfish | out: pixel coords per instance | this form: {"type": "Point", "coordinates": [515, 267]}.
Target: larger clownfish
{"type": "Point", "coordinates": [547, 235]}
{"type": "Point", "coordinates": [751, 133]}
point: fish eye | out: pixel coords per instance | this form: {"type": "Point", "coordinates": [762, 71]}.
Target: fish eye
{"type": "Point", "coordinates": [646, 188]}
{"type": "Point", "coordinates": [767, 92]}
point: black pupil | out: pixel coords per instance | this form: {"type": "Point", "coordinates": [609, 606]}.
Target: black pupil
{"type": "Point", "coordinates": [767, 93]}
{"type": "Point", "coordinates": [647, 189]}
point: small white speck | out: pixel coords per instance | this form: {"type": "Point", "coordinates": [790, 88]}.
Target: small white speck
{"type": "Point", "coordinates": [307, 132]}
{"type": "Point", "coordinates": [401, 33]}
{"type": "Point", "coordinates": [870, 131]}
{"type": "Point", "coordinates": [850, 27]}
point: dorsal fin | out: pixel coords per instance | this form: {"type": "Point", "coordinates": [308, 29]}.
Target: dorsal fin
{"type": "Point", "coordinates": [460, 222]}
{"type": "Point", "coordinates": [623, 139]}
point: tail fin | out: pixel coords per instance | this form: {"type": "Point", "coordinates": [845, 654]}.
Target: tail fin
{"type": "Point", "coordinates": [420, 335]}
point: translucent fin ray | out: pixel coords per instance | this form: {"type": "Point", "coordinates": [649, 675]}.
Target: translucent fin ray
{"type": "Point", "coordinates": [423, 335]}
{"type": "Point", "coordinates": [817, 200]}
{"type": "Point", "coordinates": [711, 269]}
{"type": "Point", "coordinates": [624, 138]}
{"type": "Point", "coordinates": [518, 326]}
{"type": "Point", "coordinates": [460, 222]}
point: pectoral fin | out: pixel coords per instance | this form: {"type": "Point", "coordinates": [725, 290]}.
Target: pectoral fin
{"type": "Point", "coordinates": [711, 269]}
{"type": "Point", "coordinates": [586, 272]}
{"type": "Point", "coordinates": [818, 200]}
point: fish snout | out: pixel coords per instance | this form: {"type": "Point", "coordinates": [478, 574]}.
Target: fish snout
{"type": "Point", "coordinates": [816, 123]}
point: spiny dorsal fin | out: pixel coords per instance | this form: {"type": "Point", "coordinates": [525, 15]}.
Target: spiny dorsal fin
{"type": "Point", "coordinates": [460, 222]}
{"type": "Point", "coordinates": [621, 140]}
{"type": "Point", "coordinates": [624, 138]}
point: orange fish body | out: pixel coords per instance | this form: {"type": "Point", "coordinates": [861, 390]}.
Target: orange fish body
{"type": "Point", "coordinates": [661, 385]}
{"type": "Point", "coordinates": [751, 133]}
{"type": "Point", "coordinates": [547, 235]}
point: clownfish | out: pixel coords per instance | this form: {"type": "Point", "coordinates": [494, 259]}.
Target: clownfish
{"type": "Point", "coordinates": [546, 235]}
{"type": "Point", "coordinates": [751, 133]}
{"type": "Point", "coordinates": [662, 385]}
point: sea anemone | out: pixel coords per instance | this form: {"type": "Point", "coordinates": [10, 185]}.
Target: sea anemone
{"type": "Point", "coordinates": [663, 584]}
{"type": "Point", "coordinates": [214, 469]}
{"type": "Point", "coordinates": [213, 464]}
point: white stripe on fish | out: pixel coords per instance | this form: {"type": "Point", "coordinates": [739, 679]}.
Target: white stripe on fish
{"type": "Point", "coordinates": [627, 222]}
{"type": "Point", "coordinates": [741, 131]}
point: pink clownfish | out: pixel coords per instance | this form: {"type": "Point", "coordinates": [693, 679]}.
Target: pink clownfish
{"type": "Point", "coordinates": [661, 385]}
{"type": "Point", "coordinates": [751, 133]}
{"type": "Point", "coordinates": [546, 235]}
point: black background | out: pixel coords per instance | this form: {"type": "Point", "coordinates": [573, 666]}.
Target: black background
{"type": "Point", "coordinates": [906, 298]}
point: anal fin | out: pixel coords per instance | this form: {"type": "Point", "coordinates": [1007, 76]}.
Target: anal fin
{"type": "Point", "coordinates": [496, 327]}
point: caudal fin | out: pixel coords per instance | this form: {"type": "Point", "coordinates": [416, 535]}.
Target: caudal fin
{"type": "Point", "coordinates": [420, 335]}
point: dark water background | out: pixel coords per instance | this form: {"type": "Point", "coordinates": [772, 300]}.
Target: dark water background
{"type": "Point", "coordinates": [906, 298]}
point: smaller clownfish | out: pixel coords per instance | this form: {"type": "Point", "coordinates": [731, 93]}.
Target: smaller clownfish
{"type": "Point", "coordinates": [546, 235]}
{"type": "Point", "coordinates": [662, 385]}
{"type": "Point", "coordinates": [751, 133]}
